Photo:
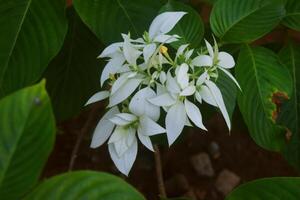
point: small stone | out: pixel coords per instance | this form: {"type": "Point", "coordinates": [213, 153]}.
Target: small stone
{"type": "Point", "coordinates": [177, 185]}
{"type": "Point", "coordinates": [227, 181]}
{"type": "Point", "coordinates": [214, 150]}
{"type": "Point", "coordinates": [202, 165]}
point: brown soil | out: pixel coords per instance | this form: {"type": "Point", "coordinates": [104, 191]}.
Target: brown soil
{"type": "Point", "coordinates": [238, 153]}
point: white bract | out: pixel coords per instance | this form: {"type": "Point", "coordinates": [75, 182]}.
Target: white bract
{"type": "Point", "coordinates": [143, 80]}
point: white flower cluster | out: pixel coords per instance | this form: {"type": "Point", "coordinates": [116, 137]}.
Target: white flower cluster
{"type": "Point", "coordinates": [143, 78]}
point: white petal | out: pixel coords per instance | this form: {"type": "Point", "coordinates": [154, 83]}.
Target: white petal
{"type": "Point", "coordinates": [139, 104]}
{"type": "Point", "coordinates": [198, 97]}
{"type": "Point", "coordinates": [202, 78]}
{"type": "Point", "coordinates": [172, 84]}
{"type": "Point", "coordinates": [225, 60]}
{"type": "Point", "coordinates": [131, 54]}
{"type": "Point", "coordinates": [188, 91]}
{"type": "Point", "coordinates": [188, 123]}
{"type": "Point", "coordinates": [202, 60]}
{"type": "Point", "coordinates": [148, 51]}
{"type": "Point", "coordinates": [149, 127]}
{"type": "Point", "coordinates": [119, 83]}
{"type": "Point", "coordinates": [189, 54]}
{"type": "Point", "coordinates": [194, 114]}
{"type": "Point", "coordinates": [146, 141]}
{"type": "Point", "coordinates": [209, 49]}
{"type": "Point", "coordinates": [182, 76]}
{"type": "Point", "coordinates": [231, 77]}
{"type": "Point", "coordinates": [124, 163]}
{"type": "Point", "coordinates": [119, 121]}
{"type": "Point", "coordinates": [160, 89]}
{"type": "Point", "coordinates": [166, 38]}
{"type": "Point", "coordinates": [125, 68]}
{"type": "Point", "coordinates": [175, 121]}
{"type": "Point", "coordinates": [112, 67]}
{"type": "Point", "coordinates": [118, 134]}
{"type": "Point", "coordinates": [181, 49]}
{"type": "Point", "coordinates": [111, 50]}
{"type": "Point", "coordinates": [162, 77]}
{"type": "Point", "coordinates": [164, 23]}
{"type": "Point", "coordinates": [103, 128]}
{"type": "Point", "coordinates": [127, 117]}
{"type": "Point", "coordinates": [124, 92]}
{"type": "Point", "coordinates": [207, 96]}
{"type": "Point", "coordinates": [131, 136]}
{"type": "Point", "coordinates": [121, 146]}
{"type": "Point", "coordinates": [219, 99]}
{"type": "Point", "coordinates": [97, 97]}
{"type": "Point", "coordinates": [163, 100]}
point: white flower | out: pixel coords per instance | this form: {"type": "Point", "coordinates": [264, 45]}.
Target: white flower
{"type": "Point", "coordinates": [123, 87]}
{"type": "Point", "coordinates": [123, 142]}
{"type": "Point", "coordinates": [222, 60]}
{"type": "Point", "coordinates": [160, 26]}
{"type": "Point", "coordinates": [179, 108]}
{"type": "Point", "coordinates": [139, 104]}
{"type": "Point", "coordinates": [183, 53]}
{"type": "Point", "coordinates": [163, 24]}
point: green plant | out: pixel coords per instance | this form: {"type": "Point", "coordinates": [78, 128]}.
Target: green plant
{"type": "Point", "coordinates": [48, 48]}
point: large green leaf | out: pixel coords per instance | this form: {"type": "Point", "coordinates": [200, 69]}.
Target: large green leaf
{"type": "Point", "coordinates": [290, 116]}
{"type": "Point", "coordinates": [244, 21]}
{"type": "Point", "coordinates": [109, 18]}
{"type": "Point", "coordinates": [32, 32]}
{"type": "Point", "coordinates": [27, 132]}
{"type": "Point", "coordinates": [264, 82]}
{"type": "Point", "coordinates": [73, 76]}
{"type": "Point", "coordinates": [292, 19]}
{"type": "Point", "coordinates": [85, 185]}
{"type": "Point", "coordinates": [281, 188]}
{"type": "Point", "coordinates": [190, 28]}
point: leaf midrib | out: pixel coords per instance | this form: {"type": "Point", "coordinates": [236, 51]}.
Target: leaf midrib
{"type": "Point", "coordinates": [241, 19]}
{"type": "Point", "coordinates": [257, 81]}
{"type": "Point", "coordinates": [127, 16]}
{"type": "Point", "coordinates": [14, 42]}
{"type": "Point", "coordinates": [295, 84]}
{"type": "Point", "coordinates": [16, 146]}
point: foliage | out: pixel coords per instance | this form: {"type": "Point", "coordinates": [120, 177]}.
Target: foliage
{"type": "Point", "coordinates": [42, 39]}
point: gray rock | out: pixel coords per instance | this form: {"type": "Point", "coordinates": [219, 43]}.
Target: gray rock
{"type": "Point", "coordinates": [227, 181]}
{"type": "Point", "coordinates": [202, 165]}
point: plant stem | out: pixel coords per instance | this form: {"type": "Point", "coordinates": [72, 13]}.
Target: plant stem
{"type": "Point", "coordinates": [159, 173]}
{"type": "Point", "coordinates": [85, 129]}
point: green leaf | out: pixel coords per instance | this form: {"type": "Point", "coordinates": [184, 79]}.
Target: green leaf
{"type": "Point", "coordinates": [73, 76]}
{"type": "Point", "coordinates": [190, 28]}
{"type": "Point", "coordinates": [27, 132]}
{"type": "Point", "coordinates": [238, 21]}
{"type": "Point", "coordinates": [85, 185]}
{"type": "Point", "coordinates": [32, 32]}
{"type": "Point", "coordinates": [290, 114]}
{"type": "Point", "coordinates": [228, 90]}
{"type": "Point", "coordinates": [292, 18]}
{"type": "Point", "coordinates": [109, 18]}
{"type": "Point", "coordinates": [265, 83]}
{"type": "Point", "coordinates": [280, 188]}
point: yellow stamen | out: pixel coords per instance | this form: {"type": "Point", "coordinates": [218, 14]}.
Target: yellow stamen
{"type": "Point", "coordinates": [163, 49]}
